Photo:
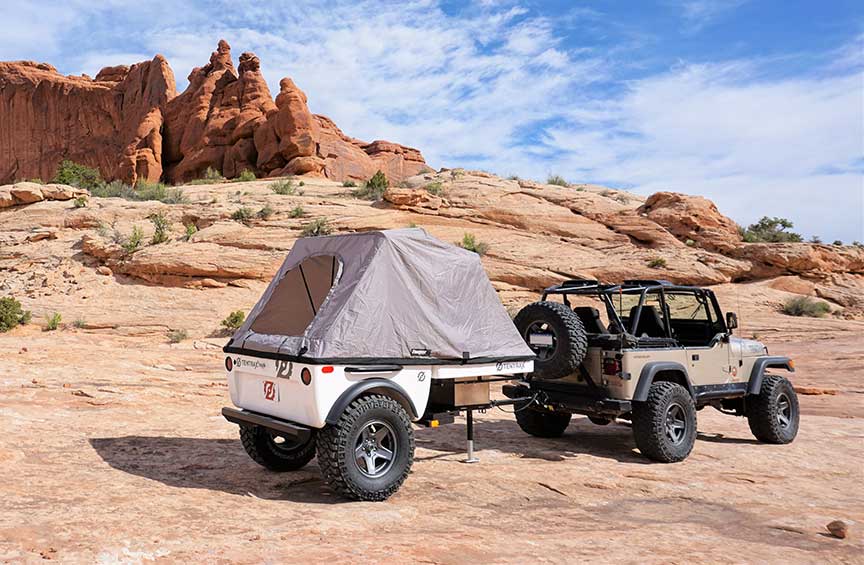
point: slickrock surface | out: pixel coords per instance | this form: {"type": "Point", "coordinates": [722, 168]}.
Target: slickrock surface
{"type": "Point", "coordinates": [113, 448]}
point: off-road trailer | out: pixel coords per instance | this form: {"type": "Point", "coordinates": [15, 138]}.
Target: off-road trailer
{"type": "Point", "coordinates": [358, 336]}
{"type": "Point", "coordinates": [671, 354]}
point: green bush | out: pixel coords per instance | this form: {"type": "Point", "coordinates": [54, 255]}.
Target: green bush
{"type": "Point", "coordinates": [770, 230]}
{"type": "Point", "coordinates": [234, 320]}
{"type": "Point", "coordinates": [11, 314]}
{"type": "Point", "coordinates": [349, 183]}
{"type": "Point", "coordinates": [284, 187]}
{"type": "Point", "coordinates": [435, 188]}
{"type": "Point", "coordinates": [470, 243]}
{"type": "Point", "coordinates": [318, 226]}
{"type": "Point", "coordinates": [657, 263]}
{"type": "Point", "coordinates": [80, 323]}
{"type": "Point", "coordinates": [143, 191]}
{"type": "Point", "coordinates": [242, 214]}
{"type": "Point", "coordinates": [76, 174]}
{"type": "Point", "coordinates": [557, 180]}
{"type": "Point", "coordinates": [837, 242]}
{"type": "Point", "coordinates": [805, 306]}
{"type": "Point", "coordinates": [191, 229]}
{"type": "Point", "coordinates": [302, 183]}
{"type": "Point", "coordinates": [297, 212]}
{"type": "Point", "coordinates": [80, 202]}
{"type": "Point", "coordinates": [210, 176]}
{"type": "Point", "coordinates": [815, 239]}
{"type": "Point", "coordinates": [133, 242]}
{"type": "Point", "coordinates": [52, 322]}
{"type": "Point", "coordinates": [265, 212]}
{"type": "Point", "coordinates": [373, 189]}
{"type": "Point", "coordinates": [176, 336]}
{"type": "Point", "coordinates": [161, 225]}
{"type": "Point", "coordinates": [246, 176]}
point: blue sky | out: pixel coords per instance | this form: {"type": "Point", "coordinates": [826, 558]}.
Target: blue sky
{"type": "Point", "coordinates": [758, 105]}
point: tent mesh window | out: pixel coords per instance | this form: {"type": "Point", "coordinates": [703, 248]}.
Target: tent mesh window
{"type": "Point", "coordinates": [299, 296]}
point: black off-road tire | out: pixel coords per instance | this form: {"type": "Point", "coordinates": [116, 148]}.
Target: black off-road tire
{"type": "Point", "coordinates": [571, 340]}
{"type": "Point", "coordinates": [650, 423]}
{"type": "Point", "coordinates": [336, 445]}
{"type": "Point", "coordinates": [767, 412]}
{"type": "Point", "coordinates": [264, 448]}
{"type": "Point", "coordinates": [542, 423]}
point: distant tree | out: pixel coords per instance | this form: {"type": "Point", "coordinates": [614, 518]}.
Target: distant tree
{"type": "Point", "coordinates": [771, 230]}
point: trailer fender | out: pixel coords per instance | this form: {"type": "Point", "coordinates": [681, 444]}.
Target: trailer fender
{"type": "Point", "coordinates": [371, 386]}
{"type": "Point", "coordinates": [651, 370]}
{"type": "Point", "coordinates": [759, 367]}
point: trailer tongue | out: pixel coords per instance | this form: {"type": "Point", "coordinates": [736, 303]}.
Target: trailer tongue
{"type": "Point", "coordinates": [357, 336]}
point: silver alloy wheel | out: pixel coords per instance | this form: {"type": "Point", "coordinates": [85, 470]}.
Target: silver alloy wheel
{"type": "Point", "coordinates": [784, 411]}
{"type": "Point", "coordinates": [676, 424]}
{"type": "Point", "coordinates": [375, 449]}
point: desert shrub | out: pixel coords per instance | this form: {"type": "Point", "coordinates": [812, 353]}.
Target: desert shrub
{"type": "Point", "coordinates": [157, 191]}
{"type": "Point", "coordinates": [318, 226]}
{"type": "Point", "coordinates": [837, 242]}
{"type": "Point", "coordinates": [114, 189]}
{"type": "Point", "coordinates": [815, 239]}
{"type": "Point", "coordinates": [513, 177]}
{"type": "Point", "coordinates": [161, 225]}
{"type": "Point", "coordinates": [191, 229]}
{"type": "Point", "coordinates": [76, 174]}
{"type": "Point", "coordinates": [470, 243]}
{"type": "Point", "coordinates": [37, 181]}
{"type": "Point", "coordinates": [857, 244]}
{"type": "Point", "coordinates": [557, 180]}
{"type": "Point", "coordinates": [11, 314]}
{"type": "Point", "coordinates": [435, 188]}
{"type": "Point", "coordinates": [80, 323]}
{"type": "Point", "coordinates": [805, 306]}
{"type": "Point", "coordinates": [242, 214]}
{"type": "Point", "coordinates": [80, 202]}
{"type": "Point", "coordinates": [245, 176]}
{"type": "Point", "coordinates": [265, 212]}
{"type": "Point", "coordinates": [52, 322]}
{"type": "Point", "coordinates": [349, 183]}
{"type": "Point", "coordinates": [284, 187]}
{"type": "Point", "coordinates": [770, 230]}
{"type": "Point", "coordinates": [657, 263]}
{"type": "Point", "coordinates": [302, 183]}
{"type": "Point", "coordinates": [133, 243]}
{"type": "Point", "coordinates": [176, 336]}
{"type": "Point", "coordinates": [622, 198]}
{"type": "Point", "coordinates": [234, 320]}
{"type": "Point", "coordinates": [373, 189]}
{"type": "Point", "coordinates": [412, 225]}
{"type": "Point", "coordinates": [297, 212]}
{"type": "Point", "coordinates": [210, 176]}
{"type": "Point", "coordinates": [690, 243]}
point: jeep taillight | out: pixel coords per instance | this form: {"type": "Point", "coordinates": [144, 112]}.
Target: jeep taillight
{"type": "Point", "coordinates": [611, 366]}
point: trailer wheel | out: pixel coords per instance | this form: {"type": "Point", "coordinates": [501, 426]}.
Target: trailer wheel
{"type": "Point", "coordinates": [773, 413]}
{"type": "Point", "coordinates": [368, 453]}
{"type": "Point", "coordinates": [275, 452]}
{"type": "Point", "coordinates": [556, 335]}
{"type": "Point", "coordinates": [664, 425]}
{"type": "Point", "coordinates": [540, 423]}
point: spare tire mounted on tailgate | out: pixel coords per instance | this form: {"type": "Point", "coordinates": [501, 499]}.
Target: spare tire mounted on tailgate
{"type": "Point", "coordinates": [556, 335]}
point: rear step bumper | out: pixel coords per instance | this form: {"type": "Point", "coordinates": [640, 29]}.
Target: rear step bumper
{"type": "Point", "coordinates": [293, 431]}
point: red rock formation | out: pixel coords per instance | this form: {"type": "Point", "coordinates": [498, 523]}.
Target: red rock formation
{"type": "Point", "coordinates": [130, 124]}
{"type": "Point", "coordinates": [112, 123]}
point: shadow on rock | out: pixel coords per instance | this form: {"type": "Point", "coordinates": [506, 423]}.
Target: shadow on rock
{"type": "Point", "coordinates": [614, 441]}
{"type": "Point", "coordinates": [213, 464]}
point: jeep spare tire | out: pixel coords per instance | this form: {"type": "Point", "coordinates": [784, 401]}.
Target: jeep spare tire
{"type": "Point", "coordinates": [556, 335]}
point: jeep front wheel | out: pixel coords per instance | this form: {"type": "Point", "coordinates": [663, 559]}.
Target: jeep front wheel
{"type": "Point", "coordinates": [664, 425]}
{"type": "Point", "coordinates": [274, 451]}
{"type": "Point", "coordinates": [368, 452]}
{"type": "Point", "coordinates": [773, 413]}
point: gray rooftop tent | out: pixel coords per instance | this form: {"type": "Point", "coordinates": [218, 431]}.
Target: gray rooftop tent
{"type": "Point", "coordinates": [396, 296]}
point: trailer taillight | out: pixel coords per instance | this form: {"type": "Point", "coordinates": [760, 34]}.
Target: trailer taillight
{"type": "Point", "coordinates": [229, 364]}
{"type": "Point", "coordinates": [327, 369]}
{"type": "Point", "coordinates": [611, 366]}
{"type": "Point", "coordinates": [306, 376]}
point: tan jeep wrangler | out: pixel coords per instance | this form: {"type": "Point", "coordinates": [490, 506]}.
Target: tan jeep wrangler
{"type": "Point", "coordinates": [656, 355]}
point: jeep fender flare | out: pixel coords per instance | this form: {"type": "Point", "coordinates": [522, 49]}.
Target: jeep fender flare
{"type": "Point", "coordinates": [650, 370]}
{"type": "Point", "coordinates": [758, 371]}
{"type": "Point", "coordinates": [371, 386]}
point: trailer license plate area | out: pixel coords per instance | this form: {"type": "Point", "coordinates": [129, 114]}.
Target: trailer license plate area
{"type": "Point", "coordinates": [540, 339]}
{"type": "Point", "coordinates": [270, 390]}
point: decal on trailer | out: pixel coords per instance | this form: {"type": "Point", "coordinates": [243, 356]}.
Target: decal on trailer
{"type": "Point", "coordinates": [509, 365]}
{"type": "Point", "coordinates": [270, 391]}
{"type": "Point", "coordinates": [284, 369]}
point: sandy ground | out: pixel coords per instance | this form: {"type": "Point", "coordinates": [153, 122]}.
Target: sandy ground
{"type": "Point", "coordinates": [113, 450]}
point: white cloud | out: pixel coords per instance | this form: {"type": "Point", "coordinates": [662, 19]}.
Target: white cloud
{"type": "Point", "coordinates": [699, 13]}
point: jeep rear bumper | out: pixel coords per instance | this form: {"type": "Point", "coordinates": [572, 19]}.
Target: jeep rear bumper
{"type": "Point", "coordinates": [295, 432]}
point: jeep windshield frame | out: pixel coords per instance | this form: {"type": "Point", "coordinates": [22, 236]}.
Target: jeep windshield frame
{"type": "Point", "coordinates": [642, 288]}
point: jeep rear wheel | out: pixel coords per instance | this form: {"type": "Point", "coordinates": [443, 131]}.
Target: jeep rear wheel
{"type": "Point", "coordinates": [368, 452]}
{"type": "Point", "coordinates": [773, 414]}
{"type": "Point", "coordinates": [541, 423]}
{"type": "Point", "coordinates": [556, 335]}
{"type": "Point", "coordinates": [664, 425]}
{"type": "Point", "coordinates": [274, 451]}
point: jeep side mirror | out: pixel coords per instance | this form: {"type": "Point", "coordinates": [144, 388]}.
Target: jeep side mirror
{"type": "Point", "coordinates": [731, 321]}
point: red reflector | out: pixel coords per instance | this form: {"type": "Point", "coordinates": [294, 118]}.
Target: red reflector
{"type": "Point", "coordinates": [305, 376]}
{"type": "Point", "coordinates": [229, 364]}
{"type": "Point", "coordinates": [327, 369]}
